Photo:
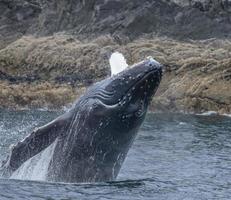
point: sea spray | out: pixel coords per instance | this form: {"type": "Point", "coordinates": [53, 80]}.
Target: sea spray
{"type": "Point", "coordinates": [36, 168]}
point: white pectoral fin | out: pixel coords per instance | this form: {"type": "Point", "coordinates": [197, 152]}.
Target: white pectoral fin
{"type": "Point", "coordinates": [37, 141]}
{"type": "Point", "coordinates": [118, 63]}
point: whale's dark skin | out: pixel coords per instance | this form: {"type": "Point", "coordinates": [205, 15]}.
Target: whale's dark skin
{"type": "Point", "coordinates": [93, 138]}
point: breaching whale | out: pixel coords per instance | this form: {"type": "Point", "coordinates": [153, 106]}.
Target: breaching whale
{"type": "Point", "coordinates": [93, 138]}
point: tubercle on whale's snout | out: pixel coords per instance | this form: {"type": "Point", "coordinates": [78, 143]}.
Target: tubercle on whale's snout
{"type": "Point", "coordinates": [153, 61]}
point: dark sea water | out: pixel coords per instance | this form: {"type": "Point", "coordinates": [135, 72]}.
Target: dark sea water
{"type": "Point", "coordinates": [174, 157]}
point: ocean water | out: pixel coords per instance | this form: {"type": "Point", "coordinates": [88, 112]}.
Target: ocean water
{"type": "Point", "coordinates": [174, 157]}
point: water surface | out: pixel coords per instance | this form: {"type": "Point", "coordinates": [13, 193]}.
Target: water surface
{"type": "Point", "coordinates": [174, 157]}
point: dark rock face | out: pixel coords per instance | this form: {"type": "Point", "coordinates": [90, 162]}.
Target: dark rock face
{"type": "Point", "coordinates": [211, 5]}
{"type": "Point", "coordinates": [134, 18]}
{"type": "Point", "coordinates": [16, 17]}
{"type": "Point", "coordinates": [126, 17]}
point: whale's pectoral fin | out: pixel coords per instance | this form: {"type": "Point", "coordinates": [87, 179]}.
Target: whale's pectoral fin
{"type": "Point", "coordinates": [35, 142]}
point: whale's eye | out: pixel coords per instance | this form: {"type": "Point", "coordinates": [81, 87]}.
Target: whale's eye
{"type": "Point", "coordinates": [139, 113]}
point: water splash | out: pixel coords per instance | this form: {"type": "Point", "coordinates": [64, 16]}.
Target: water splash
{"type": "Point", "coordinates": [118, 63]}
{"type": "Point", "coordinates": [36, 168]}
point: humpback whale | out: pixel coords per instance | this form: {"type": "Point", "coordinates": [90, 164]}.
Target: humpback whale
{"type": "Point", "coordinates": [93, 138]}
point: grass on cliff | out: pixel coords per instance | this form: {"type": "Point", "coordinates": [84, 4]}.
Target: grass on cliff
{"type": "Point", "coordinates": [197, 77]}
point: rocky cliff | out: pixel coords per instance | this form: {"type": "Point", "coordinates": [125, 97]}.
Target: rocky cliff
{"type": "Point", "coordinates": [52, 50]}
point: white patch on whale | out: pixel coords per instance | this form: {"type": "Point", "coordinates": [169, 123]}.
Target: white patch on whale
{"type": "Point", "coordinates": [36, 168]}
{"type": "Point", "coordinates": [118, 63]}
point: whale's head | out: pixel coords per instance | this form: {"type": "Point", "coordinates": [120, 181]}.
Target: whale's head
{"type": "Point", "coordinates": [128, 93]}
{"type": "Point", "coordinates": [105, 121]}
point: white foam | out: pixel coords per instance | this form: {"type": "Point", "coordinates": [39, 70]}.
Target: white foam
{"type": "Point", "coordinates": [209, 113]}
{"type": "Point", "coordinates": [118, 63]}
{"type": "Point", "coordinates": [227, 115]}
{"type": "Point", "coordinates": [182, 123]}
{"type": "Point", "coordinates": [36, 168]}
